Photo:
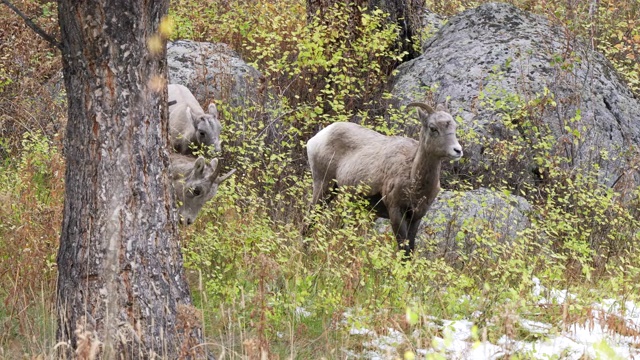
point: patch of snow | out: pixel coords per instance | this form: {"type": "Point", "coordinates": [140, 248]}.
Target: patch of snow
{"type": "Point", "coordinates": [361, 331]}
{"type": "Point", "coordinates": [302, 312]}
{"type": "Point", "coordinates": [389, 342]}
{"type": "Point", "coordinates": [576, 341]}
{"type": "Point", "coordinates": [535, 327]}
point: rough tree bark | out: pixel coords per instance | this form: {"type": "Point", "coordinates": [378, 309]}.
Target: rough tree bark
{"type": "Point", "coordinates": [405, 13]}
{"type": "Point", "coordinates": [121, 288]}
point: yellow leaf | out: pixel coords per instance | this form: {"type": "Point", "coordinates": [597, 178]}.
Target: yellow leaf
{"type": "Point", "coordinates": [155, 44]}
{"type": "Point", "coordinates": [157, 83]}
{"type": "Point", "coordinates": [412, 317]}
{"type": "Point", "coordinates": [166, 27]}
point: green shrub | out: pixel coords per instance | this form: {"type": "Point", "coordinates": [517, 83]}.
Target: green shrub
{"type": "Point", "coordinates": [586, 223]}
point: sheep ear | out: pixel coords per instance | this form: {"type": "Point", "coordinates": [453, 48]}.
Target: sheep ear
{"type": "Point", "coordinates": [213, 110]}
{"type": "Point", "coordinates": [441, 107]}
{"type": "Point", "coordinates": [190, 116]}
{"type": "Point", "coordinates": [423, 117]}
{"type": "Point", "coordinates": [214, 163]}
{"type": "Point", "coordinates": [225, 176]}
{"type": "Point", "coordinates": [198, 167]}
{"type": "Point", "coordinates": [216, 169]}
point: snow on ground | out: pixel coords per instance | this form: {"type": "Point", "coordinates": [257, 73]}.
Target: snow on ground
{"type": "Point", "coordinates": [612, 331]}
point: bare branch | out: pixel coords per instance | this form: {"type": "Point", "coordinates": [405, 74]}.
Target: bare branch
{"type": "Point", "coordinates": [38, 30]}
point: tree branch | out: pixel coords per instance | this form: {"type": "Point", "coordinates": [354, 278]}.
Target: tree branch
{"type": "Point", "coordinates": [38, 30]}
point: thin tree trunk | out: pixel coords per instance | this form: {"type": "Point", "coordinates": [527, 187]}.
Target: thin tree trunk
{"type": "Point", "coordinates": [405, 13]}
{"type": "Point", "coordinates": [121, 282]}
{"type": "Point", "coordinates": [320, 8]}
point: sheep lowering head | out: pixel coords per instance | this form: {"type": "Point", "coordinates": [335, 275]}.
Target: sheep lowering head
{"type": "Point", "coordinates": [195, 181]}
{"type": "Point", "coordinates": [402, 175]}
{"type": "Point", "coordinates": [188, 123]}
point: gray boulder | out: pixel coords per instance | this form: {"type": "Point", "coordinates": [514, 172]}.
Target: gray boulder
{"type": "Point", "coordinates": [461, 223]}
{"type": "Point", "coordinates": [213, 71]}
{"type": "Point", "coordinates": [503, 51]}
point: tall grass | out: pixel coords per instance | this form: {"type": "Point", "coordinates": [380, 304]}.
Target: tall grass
{"type": "Point", "coordinates": [31, 195]}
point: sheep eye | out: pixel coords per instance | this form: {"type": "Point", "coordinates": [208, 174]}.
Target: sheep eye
{"type": "Point", "coordinates": [434, 130]}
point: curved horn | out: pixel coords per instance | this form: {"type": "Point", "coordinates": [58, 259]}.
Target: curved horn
{"type": "Point", "coordinates": [225, 176]}
{"type": "Point", "coordinates": [422, 106]}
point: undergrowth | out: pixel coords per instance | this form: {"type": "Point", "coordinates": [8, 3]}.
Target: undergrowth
{"type": "Point", "coordinates": [31, 195]}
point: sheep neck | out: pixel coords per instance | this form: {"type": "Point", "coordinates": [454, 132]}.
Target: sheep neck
{"type": "Point", "coordinates": [425, 176]}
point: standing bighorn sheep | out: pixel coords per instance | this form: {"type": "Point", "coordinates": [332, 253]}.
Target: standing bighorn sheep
{"type": "Point", "coordinates": [195, 182]}
{"type": "Point", "coordinates": [402, 174]}
{"type": "Point", "coordinates": [188, 123]}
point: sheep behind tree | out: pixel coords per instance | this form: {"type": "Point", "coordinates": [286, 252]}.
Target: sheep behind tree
{"type": "Point", "coordinates": [402, 175]}
{"type": "Point", "coordinates": [195, 181]}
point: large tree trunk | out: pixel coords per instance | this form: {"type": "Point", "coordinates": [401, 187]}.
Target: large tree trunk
{"type": "Point", "coordinates": [121, 280]}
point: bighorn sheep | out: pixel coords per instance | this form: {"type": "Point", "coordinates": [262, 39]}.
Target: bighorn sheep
{"type": "Point", "coordinates": [402, 174]}
{"type": "Point", "coordinates": [188, 123]}
{"type": "Point", "coordinates": [195, 182]}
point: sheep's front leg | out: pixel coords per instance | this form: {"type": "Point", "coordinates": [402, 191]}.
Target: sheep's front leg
{"type": "Point", "coordinates": [414, 225]}
{"type": "Point", "coordinates": [320, 193]}
{"type": "Point", "coordinates": [400, 226]}
{"type": "Point", "coordinates": [320, 189]}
